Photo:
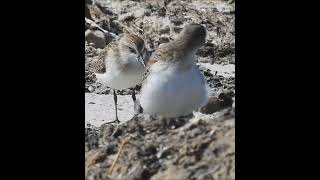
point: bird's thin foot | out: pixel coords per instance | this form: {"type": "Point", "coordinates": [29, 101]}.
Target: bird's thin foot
{"type": "Point", "coordinates": [113, 122]}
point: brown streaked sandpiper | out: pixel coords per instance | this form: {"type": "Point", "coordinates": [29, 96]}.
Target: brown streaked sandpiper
{"type": "Point", "coordinates": [174, 85]}
{"type": "Point", "coordinates": [121, 65]}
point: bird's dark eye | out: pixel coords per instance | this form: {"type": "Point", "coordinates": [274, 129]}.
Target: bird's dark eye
{"type": "Point", "coordinates": [132, 50]}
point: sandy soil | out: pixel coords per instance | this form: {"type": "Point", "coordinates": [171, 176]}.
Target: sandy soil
{"type": "Point", "coordinates": [100, 108]}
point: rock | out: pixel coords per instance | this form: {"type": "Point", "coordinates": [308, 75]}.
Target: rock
{"type": "Point", "coordinates": [215, 104]}
{"type": "Point", "coordinates": [177, 20]}
{"type": "Point", "coordinates": [163, 39]}
{"type": "Point", "coordinates": [96, 37]}
{"type": "Point", "coordinates": [212, 106]}
{"type": "Point", "coordinates": [226, 98]}
{"type": "Point", "coordinates": [164, 30]}
{"type": "Point", "coordinates": [162, 12]}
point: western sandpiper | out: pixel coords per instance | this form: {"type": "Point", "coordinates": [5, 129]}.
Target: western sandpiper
{"type": "Point", "coordinates": [174, 85]}
{"type": "Point", "coordinates": [121, 65]}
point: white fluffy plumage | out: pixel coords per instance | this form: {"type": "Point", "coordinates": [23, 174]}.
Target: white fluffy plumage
{"type": "Point", "coordinates": [171, 92]}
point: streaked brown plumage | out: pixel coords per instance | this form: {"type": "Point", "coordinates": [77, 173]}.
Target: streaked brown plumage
{"type": "Point", "coordinates": [189, 39]}
{"type": "Point", "coordinates": [173, 85]}
{"type": "Point", "coordinates": [120, 65]}
{"type": "Point", "coordinates": [114, 49]}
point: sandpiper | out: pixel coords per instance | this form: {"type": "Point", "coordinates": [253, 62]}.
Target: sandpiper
{"type": "Point", "coordinates": [174, 85]}
{"type": "Point", "coordinates": [121, 65]}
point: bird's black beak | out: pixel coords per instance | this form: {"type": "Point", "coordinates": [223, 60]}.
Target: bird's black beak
{"type": "Point", "coordinates": [141, 60]}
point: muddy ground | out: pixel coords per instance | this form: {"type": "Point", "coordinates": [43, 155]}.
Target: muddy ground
{"type": "Point", "coordinates": [199, 147]}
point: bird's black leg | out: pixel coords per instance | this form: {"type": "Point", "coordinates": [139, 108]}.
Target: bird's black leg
{"type": "Point", "coordinates": [133, 95]}
{"type": "Point", "coordinates": [116, 109]}
{"type": "Point", "coordinates": [115, 104]}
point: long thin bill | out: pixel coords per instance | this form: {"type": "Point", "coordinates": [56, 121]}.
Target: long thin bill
{"type": "Point", "coordinates": [141, 60]}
